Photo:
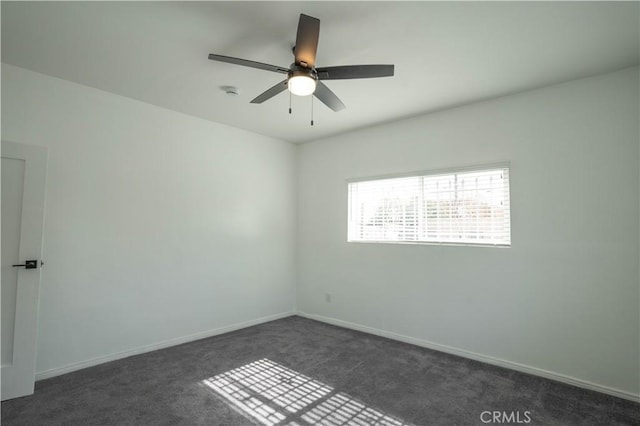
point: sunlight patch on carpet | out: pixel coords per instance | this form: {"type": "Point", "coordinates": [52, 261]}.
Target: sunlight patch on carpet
{"type": "Point", "coordinates": [276, 395]}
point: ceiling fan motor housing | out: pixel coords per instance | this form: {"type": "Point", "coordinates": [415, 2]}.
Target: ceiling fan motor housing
{"type": "Point", "coordinates": [300, 71]}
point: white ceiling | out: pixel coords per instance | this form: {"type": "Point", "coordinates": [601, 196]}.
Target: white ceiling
{"type": "Point", "coordinates": [446, 53]}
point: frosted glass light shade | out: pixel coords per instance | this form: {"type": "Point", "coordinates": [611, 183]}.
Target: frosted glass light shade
{"type": "Point", "coordinates": [301, 85]}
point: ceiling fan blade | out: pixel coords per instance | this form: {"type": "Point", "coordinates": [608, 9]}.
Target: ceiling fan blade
{"type": "Point", "coordinates": [307, 41]}
{"type": "Point", "coordinates": [247, 63]}
{"type": "Point", "coordinates": [355, 71]}
{"type": "Point", "coordinates": [328, 97]}
{"type": "Point", "coordinates": [270, 93]}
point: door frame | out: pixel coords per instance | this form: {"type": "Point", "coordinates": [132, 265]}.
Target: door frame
{"type": "Point", "coordinates": [18, 378]}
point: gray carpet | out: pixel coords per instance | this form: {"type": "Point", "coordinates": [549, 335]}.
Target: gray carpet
{"type": "Point", "coordinates": [296, 371]}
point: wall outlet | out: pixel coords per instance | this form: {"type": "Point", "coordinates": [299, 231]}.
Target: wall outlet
{"type": "Point", "coordinates": [327, 297]}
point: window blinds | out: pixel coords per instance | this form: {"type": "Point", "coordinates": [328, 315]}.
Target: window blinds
{"type": "Point", "coordinates": [468, 207]}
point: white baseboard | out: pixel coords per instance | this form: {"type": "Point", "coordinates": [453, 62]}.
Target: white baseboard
{"type": "Point", "coordinates": [160, 345]}
{"type": "Point", "coordinates": [477, 357]}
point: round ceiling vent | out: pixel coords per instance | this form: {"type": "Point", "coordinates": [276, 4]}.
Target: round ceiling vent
{"type": "Point", "coordinates": [230, 90]}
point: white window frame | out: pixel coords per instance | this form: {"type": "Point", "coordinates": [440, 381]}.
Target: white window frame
{"type": "Point", "coordinates": [433, 173]}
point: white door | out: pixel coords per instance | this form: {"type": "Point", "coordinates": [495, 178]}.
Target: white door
{"type": "Point", "coordinates": [23, 178]}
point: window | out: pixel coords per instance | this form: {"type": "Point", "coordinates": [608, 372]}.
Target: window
{"type": "Point", "coordinates": [463, 207]}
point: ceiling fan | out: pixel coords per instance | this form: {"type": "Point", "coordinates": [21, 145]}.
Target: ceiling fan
{"type": "Point", "coordinates": [303, 78]}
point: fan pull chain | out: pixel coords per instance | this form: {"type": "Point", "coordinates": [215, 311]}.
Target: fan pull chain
{"type": "Point", "coordinates": [289, 102]}
{"type": "Point", "coordinates": [312, 109]}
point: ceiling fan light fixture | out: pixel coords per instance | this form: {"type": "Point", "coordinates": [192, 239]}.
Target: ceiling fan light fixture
{"type": "Point", "coordinates": [301, 84]}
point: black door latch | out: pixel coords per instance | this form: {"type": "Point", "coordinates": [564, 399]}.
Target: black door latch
{"type": "Point", "coordinates": [28, 264]}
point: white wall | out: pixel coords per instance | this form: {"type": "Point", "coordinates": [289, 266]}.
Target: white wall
{"type": "Point", "coordinates": [158, 225]}
{"type": "Point", "coordinates": [564, 298]}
